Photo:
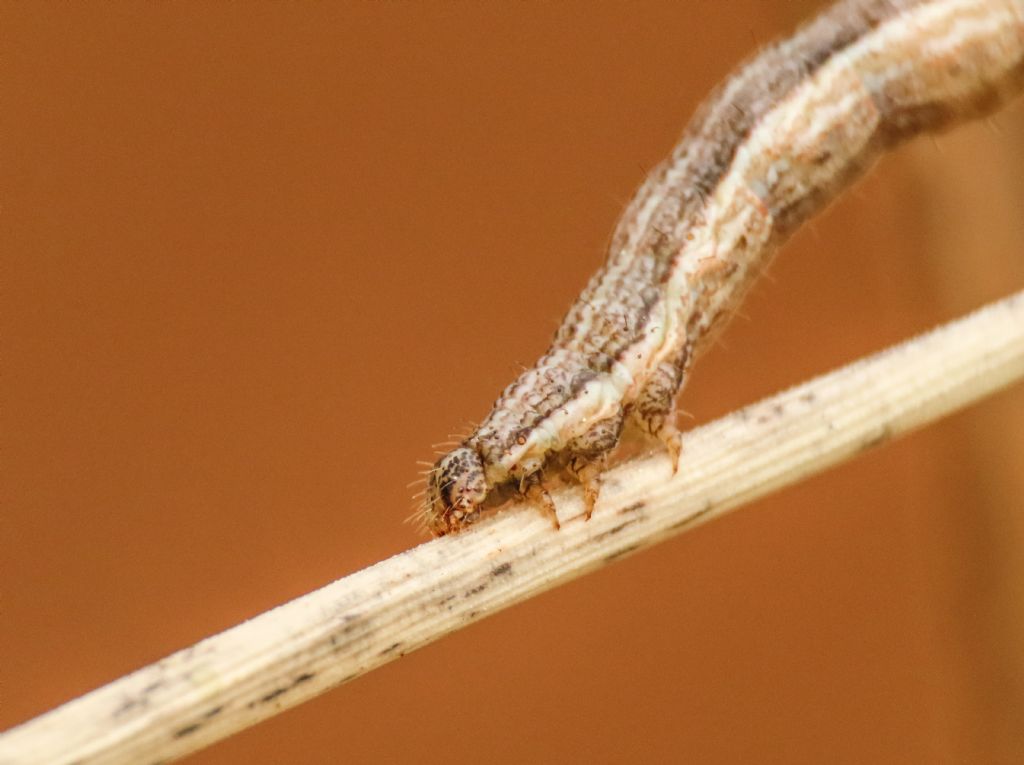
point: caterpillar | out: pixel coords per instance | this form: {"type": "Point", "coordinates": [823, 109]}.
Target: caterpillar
{"type": "Point", "coordinates": [772, 145]}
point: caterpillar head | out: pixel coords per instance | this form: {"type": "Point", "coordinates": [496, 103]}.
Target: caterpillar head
{"type": "Point", "coordinates": [455, 490]}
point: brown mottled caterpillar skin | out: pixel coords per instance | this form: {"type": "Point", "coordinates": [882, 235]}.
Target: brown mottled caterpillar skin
{"type": "Point", "coordinates": [774, 143]}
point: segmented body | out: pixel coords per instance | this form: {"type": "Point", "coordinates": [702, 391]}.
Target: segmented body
{"type": "Point", "coordinates": [774, 143]}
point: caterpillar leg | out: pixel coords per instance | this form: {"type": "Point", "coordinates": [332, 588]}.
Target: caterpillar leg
{"type": "Point", "coordinates": [531, 488]}
{"type": "Point", "coordinates": [654, 409]}
{"type": "Point", "coordinates": [587, 457]}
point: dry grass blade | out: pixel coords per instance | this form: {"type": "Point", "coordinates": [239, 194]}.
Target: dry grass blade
{"type": "Point", "coordinates": [285, 656]}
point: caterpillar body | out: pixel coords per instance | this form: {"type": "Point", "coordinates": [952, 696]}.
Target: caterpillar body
{"type": "Point", "coordinates": [773, 144]}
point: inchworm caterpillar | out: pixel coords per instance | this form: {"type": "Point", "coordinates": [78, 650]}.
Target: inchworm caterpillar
{"type": "Point", "coordinates": [771, 146]}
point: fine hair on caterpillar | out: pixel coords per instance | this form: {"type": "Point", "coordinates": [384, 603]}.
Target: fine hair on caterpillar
{"type": "Point", "coordinates": [772, 145]}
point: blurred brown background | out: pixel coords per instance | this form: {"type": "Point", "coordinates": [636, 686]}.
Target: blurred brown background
{"type": "Point", "coordinates": [257, 258]}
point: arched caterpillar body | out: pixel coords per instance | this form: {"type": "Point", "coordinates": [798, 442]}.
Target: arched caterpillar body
{"type": "Point", "coordinates": [771, 146]}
